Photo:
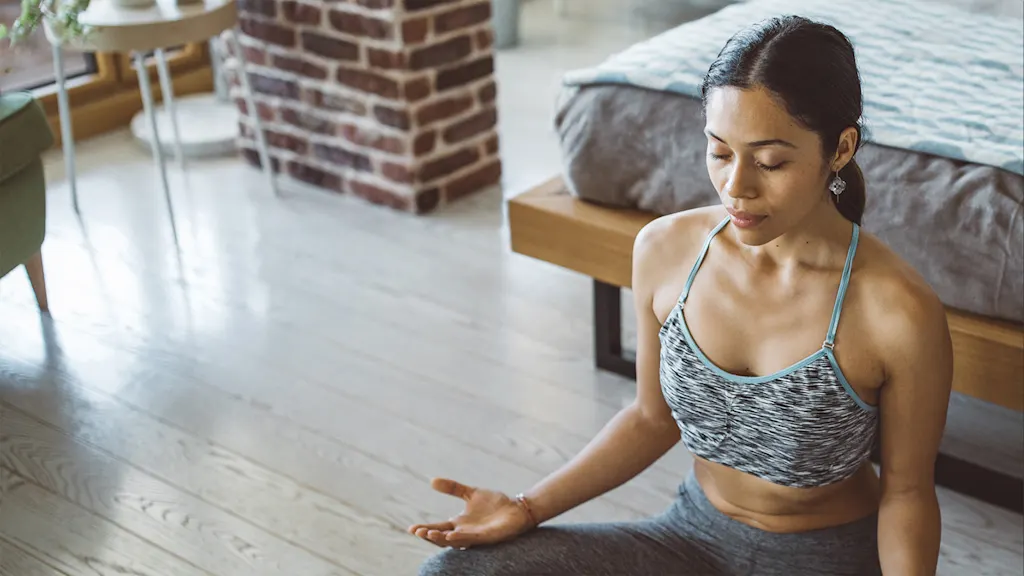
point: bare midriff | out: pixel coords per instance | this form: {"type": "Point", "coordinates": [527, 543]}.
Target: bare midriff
{"type": "Point", "coordinates": [781, 509]}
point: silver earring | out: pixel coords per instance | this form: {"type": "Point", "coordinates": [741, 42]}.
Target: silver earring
{"type": "Point", "coordinates": [837, 186]}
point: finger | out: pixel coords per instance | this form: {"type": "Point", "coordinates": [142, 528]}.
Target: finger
{"type": "Point", "coordinates": [424, 534]}
{"type": "Point", "coordinates": [437, 537]}
{"type": "Point", "coordinates": [443, 526]}
{"type": "Point", "coordinates": [453, 488]}
{"type": "Point", "coordinates": [463, 538]}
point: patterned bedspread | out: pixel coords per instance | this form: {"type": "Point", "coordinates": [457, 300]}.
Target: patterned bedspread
{"type": "Point", "coordinates": [936, 79]}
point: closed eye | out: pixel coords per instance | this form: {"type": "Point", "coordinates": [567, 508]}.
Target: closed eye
{"type": "Point", "coordinates": [767, 168]}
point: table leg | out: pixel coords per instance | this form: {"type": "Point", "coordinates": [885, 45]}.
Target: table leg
{"type": "Point", "coordinates": [66, 136]}
{"type": "Point", "coordinates": [254, 113]}
{"type": "Point", "coordinates": [147, 105]}
{"type": "Point", "coordinates": [168, 93]}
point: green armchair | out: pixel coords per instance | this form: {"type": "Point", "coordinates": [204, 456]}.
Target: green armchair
{"type": "Point", "coordinates": [24, 135]}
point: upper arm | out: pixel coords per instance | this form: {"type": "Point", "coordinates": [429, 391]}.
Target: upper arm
{"type": "Point", "coordinates": [648, 264]}
{"type": "Point", "coordinates": [918, 360]}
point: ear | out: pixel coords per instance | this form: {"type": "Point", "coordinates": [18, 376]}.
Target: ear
{"type": "Point", "coordinates": [846, 149]}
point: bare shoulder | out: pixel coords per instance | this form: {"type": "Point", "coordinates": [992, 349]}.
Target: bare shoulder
{"type": "Point", "coordinates": [904, 317]}
{"type": "Point", "coordinates": [670, 241]}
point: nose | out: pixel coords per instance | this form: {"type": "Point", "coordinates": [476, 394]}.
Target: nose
{"type": "Point", "coordinates": [739, 183]}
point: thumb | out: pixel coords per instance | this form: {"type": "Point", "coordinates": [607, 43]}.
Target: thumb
{"type": "Point", "coordinates": [453, 488]}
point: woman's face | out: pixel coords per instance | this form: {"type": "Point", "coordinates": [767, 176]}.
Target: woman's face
{"type": "Point", "coordinates": [768, 170]}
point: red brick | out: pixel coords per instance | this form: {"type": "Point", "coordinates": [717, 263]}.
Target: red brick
{"type": "Point", "coordinates": [417, 89]}
{"type": "Point", "coordinates": [342, 157]}
{"type": "Point", "coordinates": [286, 141]}
{"type": "Point", "coordinates": [443, 109]}
{"type": "Point", "coordinates": [415, 31]}
{"type": "Point", "coordinates": [315, 176]}
{"type": "Point", "coordinates": [392, 117]}
{"type": "Point", "coordinates": [424, 143]}
{"type": "Point", "coordinates": [476, 124]}
{"type": "Point", "coordinates": [437, 55]}
{"type": "Point", "coordinates": [385, 59]}
{"type": "Point", "coordinates": [491, 146]}
{"type": "Point", "coordinates": [253, 158]}
{"type": "Point", "coordinates": [308, 121]}
{"type": "Point", "coordinates": [488, 93]}
{"type": "Point", "coordinates": [268, 32]}
{"type": "Point", "coordinates": [414, 5]}
{"type": "Point", "coordinates": [301, 13]}
{"type": "Point", "coordinates": [262, 7]}
{"type": "Point", "coordinates": [363, 136]}
{"type": "Point", "coordinates": [379, 195]}
{"type": "Point", "coordinates": [300, 66]}
{"type": "Point", "coordinates": [337, 102]}
{"type": "Point", "coordinates": [484, 39]}
{"type": "Point", "coordinates": [465, 73]}
{"type": "Point", "coordinates": [428, 200]}
{"type": "Point", "coordinates": [274, 86]}
{"type": "Point", "coordinates": [476, 180]}
{"type": "Point", "coordinates": [330, 46]}
{"type": "Point", "coordinates": [462, 17]}
{"type": "Point", "coordinates": [448, 164]}
{"type": "Point", "coordinates": [267, 112]}
{"type": "Point", "coordinates": [359, 25]}
{"type": "Point", "coordinates": [255, 55]}
{"type": "Point", "coordinates": [369, 82]}
{"type": "Point", "coordinates": [396, 173]}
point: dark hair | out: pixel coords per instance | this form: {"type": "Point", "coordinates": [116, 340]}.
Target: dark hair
{"type": "Point", "coordinates": [811, 68]}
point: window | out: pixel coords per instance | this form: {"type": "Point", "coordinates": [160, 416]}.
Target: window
{"type": "Point", "coordinates": [103, 90]}
{"type": "Point", "coordinates": [30, 64]}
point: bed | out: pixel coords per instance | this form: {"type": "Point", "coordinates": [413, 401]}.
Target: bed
{"type": "Point", "coordinates": [944, 152]}
{"type": "Point", "coordinates": [943, 161]}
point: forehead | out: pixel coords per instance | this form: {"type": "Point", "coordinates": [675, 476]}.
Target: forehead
{"type": "Point", "coordinates": [738, 116]}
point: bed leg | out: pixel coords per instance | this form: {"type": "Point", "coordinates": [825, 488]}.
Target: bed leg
{"type": "Point", "coordinates": [608, 352]}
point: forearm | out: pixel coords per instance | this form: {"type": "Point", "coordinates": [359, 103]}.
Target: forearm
{"type": "Point", "coordinates": [626, 446]}
{"type": "Point", "coordinates": [909, 531]}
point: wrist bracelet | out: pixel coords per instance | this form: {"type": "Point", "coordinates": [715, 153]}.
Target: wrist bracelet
{"type": "Point", "coordinates": [524, 503]}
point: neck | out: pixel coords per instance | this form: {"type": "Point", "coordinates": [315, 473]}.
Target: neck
{"type": "Point", "coordinates": [815, 241]}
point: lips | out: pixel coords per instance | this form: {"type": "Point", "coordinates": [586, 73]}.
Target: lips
{"type": "Point", "coordinates": [744, 219]}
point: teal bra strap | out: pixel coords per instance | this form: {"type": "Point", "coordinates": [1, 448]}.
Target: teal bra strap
{"type": "Point", "coordinates": [700, 259]}
{"type": "Point", "coordinates": [843, 284]}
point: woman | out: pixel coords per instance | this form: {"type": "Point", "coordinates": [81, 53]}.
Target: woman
{"type": "Point", "coordinates": [777, 340]}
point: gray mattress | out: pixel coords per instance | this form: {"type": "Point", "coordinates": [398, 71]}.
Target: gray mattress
{"type": "Point", "coordinates": [959, 224]}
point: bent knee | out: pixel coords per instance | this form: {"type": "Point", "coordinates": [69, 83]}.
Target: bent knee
{"type": "Point", "coordinates": [471, 562]}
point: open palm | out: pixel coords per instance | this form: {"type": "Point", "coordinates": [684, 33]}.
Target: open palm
{"type": "Point", "coordinates": [489, 517]}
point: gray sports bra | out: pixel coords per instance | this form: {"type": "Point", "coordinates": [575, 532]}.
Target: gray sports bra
{"type": "Point", "coordinates": [802, 426]}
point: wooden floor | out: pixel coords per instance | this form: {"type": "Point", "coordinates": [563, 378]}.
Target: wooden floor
{"type": "Point", "coordinates": [274, 399]}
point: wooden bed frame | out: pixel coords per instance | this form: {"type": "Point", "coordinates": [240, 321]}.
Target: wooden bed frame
{"type": "Point", "coordinates": [549, 224]}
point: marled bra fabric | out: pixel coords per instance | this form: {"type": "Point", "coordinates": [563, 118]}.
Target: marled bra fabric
{"type": "Point", "coordinates": [801, 427]}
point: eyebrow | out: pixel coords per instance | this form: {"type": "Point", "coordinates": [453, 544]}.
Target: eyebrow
{"type": "Point", "coordinates": [758, 143]}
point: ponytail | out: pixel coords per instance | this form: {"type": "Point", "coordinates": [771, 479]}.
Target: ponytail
{"type": "Point", "coordinates": [851, 202]}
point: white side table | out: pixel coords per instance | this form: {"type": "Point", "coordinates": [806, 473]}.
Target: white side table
{"type": "Point", "coordinates": [155, 27]}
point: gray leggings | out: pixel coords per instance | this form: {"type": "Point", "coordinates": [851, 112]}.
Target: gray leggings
{"type": "Point", "coordinates": [691, 538]}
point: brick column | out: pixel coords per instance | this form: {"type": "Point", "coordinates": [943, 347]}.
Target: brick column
{"type": "Point", "coordinates": [390, 100]}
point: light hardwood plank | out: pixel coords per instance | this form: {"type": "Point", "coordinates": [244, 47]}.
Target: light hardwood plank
{"type": "Point", "coordinates": [352, 537]}
{"type": "Point", "coordinates": [253, 393]}
{"type": "Point", "coordinates": [194, 530]}
{"type": "Point", "coordinates": [77, 542]}
{"type": "Point", "coordinates": [979, 540]}
{"type": "Point", "coordinates": [16, 562]}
